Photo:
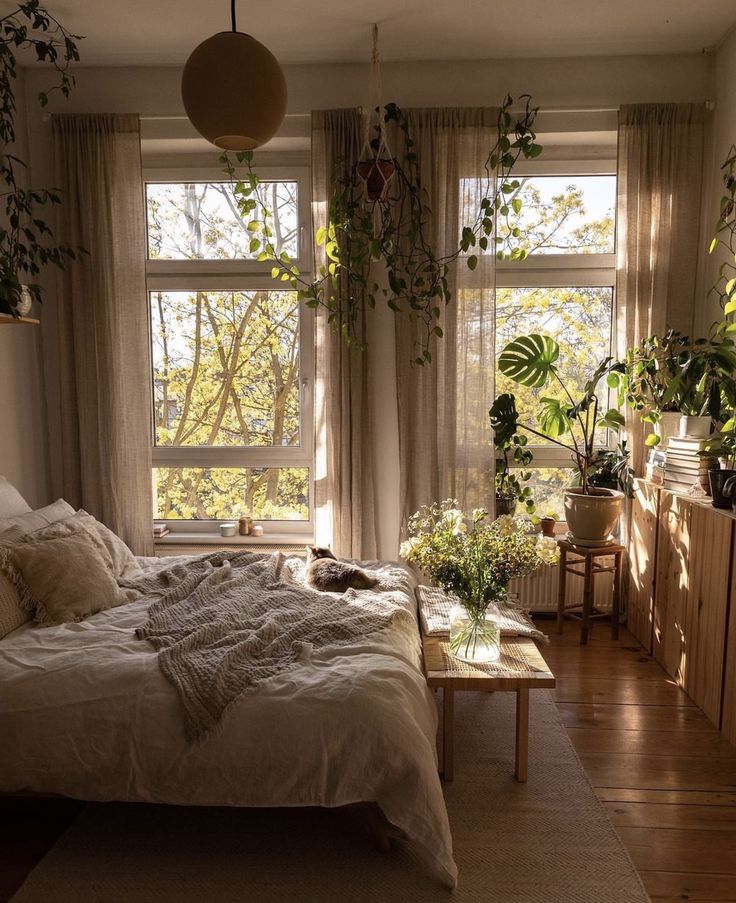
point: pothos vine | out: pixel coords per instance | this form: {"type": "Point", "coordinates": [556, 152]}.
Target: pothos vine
{"type": "Point", "coordinates": [393, 229]}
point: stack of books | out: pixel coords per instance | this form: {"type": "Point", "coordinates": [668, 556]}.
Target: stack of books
{"type": "Point", "coordinates": [160, 530]}
{"type": "Point", "coordinates": [684, 467]}
{"type": "Point", "coordinates": [656, 466]}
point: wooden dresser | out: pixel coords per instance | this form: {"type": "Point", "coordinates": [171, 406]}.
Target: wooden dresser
{"type": "Point", "coordinates": [682, 595]}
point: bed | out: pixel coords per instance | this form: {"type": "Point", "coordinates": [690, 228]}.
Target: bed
{"type": "Point", "coordinates": [85, 711]}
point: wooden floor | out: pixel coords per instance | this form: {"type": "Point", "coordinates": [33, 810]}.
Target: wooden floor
{"type": "Point", "coordinates": [664, 773]}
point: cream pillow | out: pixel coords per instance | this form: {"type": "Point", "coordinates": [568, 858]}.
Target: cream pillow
{"type": "Point", "coordinates": [61, 579]}
{"type": "Point", "coordinates": [37, 520]}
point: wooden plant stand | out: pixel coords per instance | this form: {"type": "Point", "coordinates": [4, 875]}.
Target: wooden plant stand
{"type": "Point", "coordinates": [521, 668]}
{"type": "Point", "coordinates": [586, 556]}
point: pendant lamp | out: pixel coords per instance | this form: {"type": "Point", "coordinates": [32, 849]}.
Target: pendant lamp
{"type": "Point", "coordinates": [234, 91]}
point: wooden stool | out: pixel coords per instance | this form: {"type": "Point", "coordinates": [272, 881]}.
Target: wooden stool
{"type": "Point", "coordinates": [587, 555]}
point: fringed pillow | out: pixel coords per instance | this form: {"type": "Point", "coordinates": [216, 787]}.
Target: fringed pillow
{"type": "Point", "coordinates": [61, 579]}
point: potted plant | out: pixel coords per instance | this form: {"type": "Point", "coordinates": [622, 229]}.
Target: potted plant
{"type": "Point", "coordinates": [592, 513]}
{"type": "Point", "coordinates": [26, 240]}
{"type": "Point", "coordinates": [547, 523]}
{"type": "Point", "coordinates": [722, 478]}
{"type": "Point", "coordinates": [367, 222]}
{"type": "Point", "coordinates": [510, 488]}
{"type": "Point", "coordinates": [474, 560]}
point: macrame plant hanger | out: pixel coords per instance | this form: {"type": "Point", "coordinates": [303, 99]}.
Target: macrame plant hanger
{"type": "Point", "coordinates": [376, 167]}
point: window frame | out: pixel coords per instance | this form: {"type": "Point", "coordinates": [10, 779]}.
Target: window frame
{"type": "Point", "coordinates": [240, 275]}
{"type": "Point", "coordinates": [564, 270]}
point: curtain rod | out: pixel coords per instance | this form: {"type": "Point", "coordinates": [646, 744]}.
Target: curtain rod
{"type": "Point", "coordinates": [709, 105]}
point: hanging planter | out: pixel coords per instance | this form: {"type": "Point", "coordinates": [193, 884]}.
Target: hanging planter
{"type": "Point", "coordinates": [379, 212]}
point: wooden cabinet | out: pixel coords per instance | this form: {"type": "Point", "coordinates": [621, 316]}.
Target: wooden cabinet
{"type": "Point", "coordinates": [689, 594]}
{"type": "Point", "coordinates": [728, 718]}
{"type": "Point", "coordinates": [642, 562]}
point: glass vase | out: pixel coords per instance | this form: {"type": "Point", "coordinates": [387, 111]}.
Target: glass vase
{"type": "Point", "coordinates": [474, 638]}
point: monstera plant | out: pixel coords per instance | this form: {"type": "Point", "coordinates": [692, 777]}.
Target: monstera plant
{"type": "Point", "coordinates": [573, 423]}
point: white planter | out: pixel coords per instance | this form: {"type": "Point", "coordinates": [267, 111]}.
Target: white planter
{"type": "Point", "coordinates": [694, 427]}
{"type": "Point", "coordinates": [592, 518]}
{"type": "Point", "coordinates": [667, 426]}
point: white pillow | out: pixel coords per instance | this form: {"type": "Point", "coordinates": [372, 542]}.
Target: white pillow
{"type": "Point", "coordinates": [31, 521]}
{"type": "Point", "coordinates": [11, 501]}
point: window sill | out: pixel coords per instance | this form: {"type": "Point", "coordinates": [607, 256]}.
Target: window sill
{"type": "Point", "coordinates": [215, 539]}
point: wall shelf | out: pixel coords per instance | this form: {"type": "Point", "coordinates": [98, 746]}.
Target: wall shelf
{"type": "Point", "coordinates": [7, 319]}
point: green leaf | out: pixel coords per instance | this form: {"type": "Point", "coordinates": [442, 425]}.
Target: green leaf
{"type": "Point", "coordinates": [472, 262]}
{"type": "Point", "coordinates": [529, 360]}
{"type": "Point", "coordinates": [652, 440]}
{"type": "Point", "coordinates": [321, 236]}
{"type": "Point", "coordinates": [504, 419]}
{"type": "Point", "coordinates": [713, 245]}
{"type": "Point", "coordinates": [516, 205]}
{"type": "Point", "coordinates": [553, 417]}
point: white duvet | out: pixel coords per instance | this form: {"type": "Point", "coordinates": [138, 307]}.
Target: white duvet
{"type": "Point", "coordinates": [85, 711]}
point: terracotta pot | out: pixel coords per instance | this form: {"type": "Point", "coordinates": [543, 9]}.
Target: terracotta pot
{"type": "Point", "coordinates": [694, 427]}
{"type": "Point", "coordinates": [667, 426]}
{"type": "Point", "coordinates": [717, 478]}
{"type": "Point", "coordinates": [377, 175]}
{"type": "Point", "coordinates": [547, 525]}
{"type": "Point", "coordinates": [505, 506]}
{"type": "Point", "coordinates": [593, 517]}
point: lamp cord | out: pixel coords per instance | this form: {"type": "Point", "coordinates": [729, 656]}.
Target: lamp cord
{"type": "Point", "coordinates": [232, 15]}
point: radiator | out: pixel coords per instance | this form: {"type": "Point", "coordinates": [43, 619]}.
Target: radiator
{"type": "Point", "coordinates": [193, 548]}
{"type": "Point", "coordinates": [538, 592]}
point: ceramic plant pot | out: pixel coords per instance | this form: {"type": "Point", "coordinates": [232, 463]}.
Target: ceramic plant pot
{"type": "Point", "coordinates": [592, 518]}
{"type": "Point", "coordinates": [667, 426]}
{"type": "Point", "coordinates": [717, 480]}
{"type": "Point", "coordinates": [377, 175]}
{"type": "Point", "coordinates": [694, 427]}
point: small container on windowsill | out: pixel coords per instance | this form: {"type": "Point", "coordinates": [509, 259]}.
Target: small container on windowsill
{"type": "Point", "coordinates": [256, 530]}
{"type": "Point", "coordinates": [228, 529]}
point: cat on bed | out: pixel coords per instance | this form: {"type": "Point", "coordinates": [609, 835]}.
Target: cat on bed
{"type": "Point", "coordinates": [326, 573]}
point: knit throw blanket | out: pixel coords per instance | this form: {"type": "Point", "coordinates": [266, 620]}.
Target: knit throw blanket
{"type": "Point", "coordinates": [226, 622]}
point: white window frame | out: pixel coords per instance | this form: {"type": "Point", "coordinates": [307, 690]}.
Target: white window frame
{"type": "Point", "coordinates": [562, 270]}
{"type": "Point", "coordinates": [242, 275]}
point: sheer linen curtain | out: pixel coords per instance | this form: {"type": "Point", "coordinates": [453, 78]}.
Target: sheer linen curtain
{"type": "Point", "coordinates": [660, 171]}
{"type": "Point", "coordinates": [343, 483]}
{"type": "Point", "coordinates": [96, 337]}
{"type": "Point", "coordinates": [444, 431]}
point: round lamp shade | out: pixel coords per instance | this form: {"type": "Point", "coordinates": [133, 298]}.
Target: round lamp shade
{"type": "Point", "coordinates": [234, 91]}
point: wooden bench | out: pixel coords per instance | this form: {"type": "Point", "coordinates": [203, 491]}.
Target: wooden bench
{"type": "Point", "coordinates": [520, 668]}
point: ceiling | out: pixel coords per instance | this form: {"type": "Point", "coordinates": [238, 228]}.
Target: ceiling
{"type": "Point", "coordinates": [138, 32]}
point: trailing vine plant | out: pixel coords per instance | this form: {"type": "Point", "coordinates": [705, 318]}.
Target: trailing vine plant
{"type": "Point", "coordinates": [26, 240]}
{"type": "Point", "coordinates": [392, 227]}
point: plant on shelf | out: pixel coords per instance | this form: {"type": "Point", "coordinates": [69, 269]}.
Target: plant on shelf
{"type": "Point", "coordinates": [724, 238]}
{"type": "Point", "coordinates": [513, 458]}
{"type": "Point", "coordinates": [678, 376]}
{"type": "Point", "coordinates": [391, 224]}
{"type": "Point", "coordinates": [474, 560]}
{"type": "Point", "coordinates": [722, 446]}
{"type": "Point", "coordinates": [26, 240]}
{"type": "Point", "coordinates": [571, 423]}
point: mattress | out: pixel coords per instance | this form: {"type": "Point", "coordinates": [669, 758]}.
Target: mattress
{"type": "Point", "coordinates": [86, 712]}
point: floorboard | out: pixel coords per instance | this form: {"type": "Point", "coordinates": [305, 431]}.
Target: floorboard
{"type": "Point", "coordinates": [665, 775]}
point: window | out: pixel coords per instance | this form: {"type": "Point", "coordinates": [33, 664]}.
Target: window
{"type": "Point", "coordinates": [564, 289]}
{"type": "Point", "coordinates": [232, 356]}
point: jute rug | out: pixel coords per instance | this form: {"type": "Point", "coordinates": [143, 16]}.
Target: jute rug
{"type": "Point", "coordinates": [548, 841]}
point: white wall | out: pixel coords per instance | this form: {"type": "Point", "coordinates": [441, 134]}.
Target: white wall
{"type": "Point", "coordinates": [589, 83]}
{"type": "Point", "coordinates": [23, 448]}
